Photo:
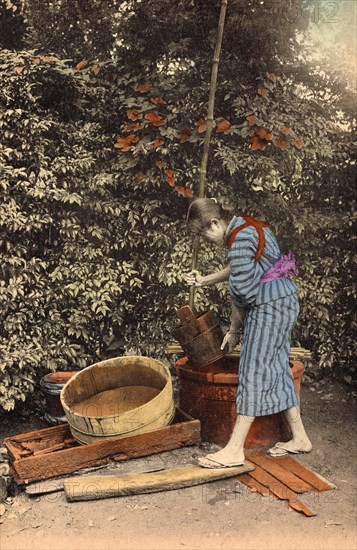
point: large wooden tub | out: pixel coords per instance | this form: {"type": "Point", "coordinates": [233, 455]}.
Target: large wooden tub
{"type": "Point", "coordinates": [211, 397]}
{"type": "Point", "coordinates": [118, 398]}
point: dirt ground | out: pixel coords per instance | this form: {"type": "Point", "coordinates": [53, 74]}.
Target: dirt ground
{"type": "Point", "coordinates": [220, 515]}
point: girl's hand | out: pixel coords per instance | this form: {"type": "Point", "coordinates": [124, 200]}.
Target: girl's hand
{"type": "Point", "coordinates": [230, 341]}
{"type": "Point", "coordinates": [194, 278]}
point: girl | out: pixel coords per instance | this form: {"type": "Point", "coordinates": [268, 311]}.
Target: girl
{"type": "Point", "coordinates": [264, 297]}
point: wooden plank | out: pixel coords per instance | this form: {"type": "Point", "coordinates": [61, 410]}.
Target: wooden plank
{"type": "Point", "coordinates": [315, 480]}
{"type": "Point", "coordinates": [300, 353]}
{"type": "Point", "coordinates": [62, 462]}
{"type": "Point", "coordinates": [151, 464]}
{"type": "Point", "coordinates": [45, 487]}
{"type": "Point", "coordinates": [287, 477]}
{"type": "Point", "coordinates": [280, 490]}
{"type": "Point", "coordinates": [69, 460]}
{"type": "Point", "coordinates": [299, 506]}
{"type": "Point", "coordinates": [254, 485]}
{"type": "Point", "coordinates": [55, 432]}
{"type": "Point", "coordinates": [57, 447]}
{"type": "Point", "coordinates": [16, 444]}
{"type": "Point", "coordinates": [185, 314]}
{"type": "Point", "coordinates": [16, 451]}
{"type": "Point", "coordinates": [96, 487]}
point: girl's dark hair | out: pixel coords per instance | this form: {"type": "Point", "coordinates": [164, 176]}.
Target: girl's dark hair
{"type": "Point", "coordinates": [201, 212]}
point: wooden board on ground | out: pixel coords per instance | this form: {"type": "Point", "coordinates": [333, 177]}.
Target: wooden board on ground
{"type": "Point", "coordinates": [280, 490]}
{"type": "Point", "coordinates": [96, 487]}
{"type": "Point", "coordinates": [147, 464]}
{"type": "Point", "coordinates": [254, 485]}
{"type": "Point", "coordinates": [316, 481]}
{"type": "Point", "coordinates": [28, 465]}
{"type": "Point", "coordinates": [283, 477]}
{"type": "Point", "coordinates": [287, 477]}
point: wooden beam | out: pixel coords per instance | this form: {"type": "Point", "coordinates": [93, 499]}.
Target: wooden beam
{"type": "Point", "coordinates": [151, 464]}
{"type": "Point", "coordinates": [96, 487]}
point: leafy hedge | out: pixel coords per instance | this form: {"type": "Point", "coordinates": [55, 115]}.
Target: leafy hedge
{"type": "Point", "coordinates": [65, 276]}
{"type": "Point", "coordinates": [98, 162]}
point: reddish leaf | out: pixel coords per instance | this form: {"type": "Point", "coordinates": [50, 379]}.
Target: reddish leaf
{"type": "Point", "coordinates": [185, 135]}
{"type": "Point", "coordinates": [155, 119]}
{"type": "Point", "coordinates": [158, 101]}
{"type": "Point", "coordinates": [184, 191]}
{"type": "Point", "coordinates": [95, 69]}
{"type": "Point", "coordinates": [36, 60]}
{"type": "Point", "coordinates": [262, 92]}
{"type": "Point", "coordinates": [49, 58]}
{"type": "Point", "coordinates": [264, 133]}
{"type": "Point", "coordinates": [170, 177]}
{"type": "Point", "coordinates": [160, 164]}
{"type": "Point", "coordinates": [132, 127]}
{"type": "Point", "coordinates": [223, 126]}
{"type": "Point", "coordinates": [200, 125]}
{"type": "Point", "coordinates": [257, 144]}
{"type": "Point", "coordinates": [134, 114]}
{"type": "Point", "coordinates": [271, 77]}
{"type": "Point", "coordinates": [298, 143]}
{"type": "Point", "coordinates": [285, 130]}
{"type": "Point", "coordinates": [281, 144]}
{"type": "Point", "coordinates": [157, 142]}
{"type": "Point", "coordinates": [125, 144]}
{"type": "Point", "coordinates": [19, 69]}
{"type": "Point", "coordinates": [143, 87]}
{"type": "Point", "coordinates": [251, 120]}
{"type": "Point", "coordinates": [139, 177]}
{"type": "Point", "coordinates": [82, 65]}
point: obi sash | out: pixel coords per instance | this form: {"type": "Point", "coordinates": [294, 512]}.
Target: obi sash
{"type": "Point", "coordinates": [284, 267]}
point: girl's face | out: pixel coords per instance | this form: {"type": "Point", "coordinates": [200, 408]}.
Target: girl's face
{"type": "Point", "coordinates": [215, 232]}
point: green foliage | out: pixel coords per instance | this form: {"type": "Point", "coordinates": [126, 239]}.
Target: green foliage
{"type": "Point", "coordinates": [99, 156]}
{"type": "Point", "coordinates": [328, 294]}
{"type": "Point", "coordinates": [12, 25]}
{"type": "Point", "coordinates": [83, 243]}
{"type": "Point", "coordinates": [72, 28]}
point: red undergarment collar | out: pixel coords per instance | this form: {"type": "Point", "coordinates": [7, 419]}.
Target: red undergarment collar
{"type": "Point", "coordinates": [249, 221]}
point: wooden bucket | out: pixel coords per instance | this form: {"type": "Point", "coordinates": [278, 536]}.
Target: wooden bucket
{"type": "Point", "coordinates": [211, 397]}
{"type": "Point", "coordinates": [51, 385]}
{"type": "Point", "coordinates": [118, 398]}
{"type": "Point", "coordinates": [200, 337]}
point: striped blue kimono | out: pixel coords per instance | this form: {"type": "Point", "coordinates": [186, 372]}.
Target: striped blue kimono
{"type": "Point", "coordinates": [265, 382]}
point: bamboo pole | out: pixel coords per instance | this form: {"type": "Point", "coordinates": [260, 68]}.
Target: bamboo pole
{"type": "Point", "coordinates": [209, 127]}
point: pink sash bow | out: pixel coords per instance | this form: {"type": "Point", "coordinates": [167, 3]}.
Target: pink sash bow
{"type": "Point", "coordinates": [284, 267]}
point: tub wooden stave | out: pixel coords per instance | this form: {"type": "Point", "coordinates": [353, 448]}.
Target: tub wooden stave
{"type": "Point", "coordinates": [119, 372]}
